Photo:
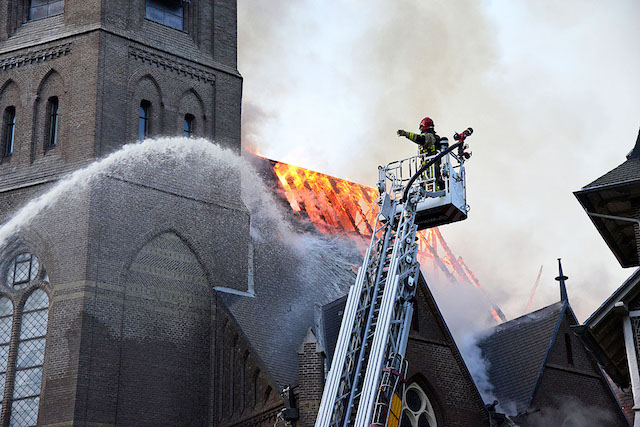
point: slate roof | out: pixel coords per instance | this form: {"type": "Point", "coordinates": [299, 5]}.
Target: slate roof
{"type": "Point", "coordinates": [288, 287]}
{"type": "Point", "coordinates": [516, 352]}
{"type": "Point", "coordinates": [626, 172]}
{"type": "Point", "coordinates": [331, 322]}
{"type": "Point", "coordinates": [292, 280]}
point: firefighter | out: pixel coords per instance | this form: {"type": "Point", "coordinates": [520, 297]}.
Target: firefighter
{"type": "Point", "coordinates": [427, 141]}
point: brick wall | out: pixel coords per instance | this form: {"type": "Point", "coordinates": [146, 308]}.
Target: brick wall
{"type": "Point", "coordinates": [580, 381]}
{"type": "Point", "coordinates": [135, 336]}
{"type": "Point", "coordinates": [436, 365]}
{"type": "Point", "coordinates": [310, 378]}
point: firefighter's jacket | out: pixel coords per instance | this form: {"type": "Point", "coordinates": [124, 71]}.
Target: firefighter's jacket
{"type": "Point", "coordinates": [426, 140]}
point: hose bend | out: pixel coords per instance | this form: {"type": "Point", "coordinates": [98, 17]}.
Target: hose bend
{"type": "Point", "coordinates": [426, 166]}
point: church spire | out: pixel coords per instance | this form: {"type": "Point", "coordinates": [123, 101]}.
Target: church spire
{"type": "Point", "coordinates": [563, 287]}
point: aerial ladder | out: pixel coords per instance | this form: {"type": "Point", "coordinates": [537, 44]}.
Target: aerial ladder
{"type": "Point", "coordinates": [365, 385]}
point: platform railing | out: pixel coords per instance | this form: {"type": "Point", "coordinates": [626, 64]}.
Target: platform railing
{"type": "Point", "coordinates": [394, 177]}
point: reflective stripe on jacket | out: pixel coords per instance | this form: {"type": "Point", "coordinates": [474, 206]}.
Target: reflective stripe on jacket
{"type": "Point", "coordinates": [426, 140]}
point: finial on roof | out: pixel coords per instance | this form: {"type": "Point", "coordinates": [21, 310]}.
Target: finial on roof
{"type": "Point", "coordinates": [563, 287]}
{"type": "Point", "coordinates": [635, 153]}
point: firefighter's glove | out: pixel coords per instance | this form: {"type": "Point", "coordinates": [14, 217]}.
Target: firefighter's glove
{"type": "Point", "coordinates": [402, 133]}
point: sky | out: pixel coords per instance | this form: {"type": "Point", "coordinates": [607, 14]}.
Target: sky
{"type": "Point", "coordinates": [550, 89]}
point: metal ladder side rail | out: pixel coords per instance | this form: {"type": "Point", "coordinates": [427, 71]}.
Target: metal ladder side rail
{"type": "Point", "coordinates": [346, 342]}
{"type": "Point", "coordinates": [397, 340]}
{"type": "Point", "coordinates": [396, 347]}
{"type": "Point", "coordinates": [354, 341]}
{"type": "Point", "coordinates": [350, 377]}
{"type": "Point", "coordinates": [378, 346]}
{"type": "Point", "coordinates": [341, 409]}
{"type": "Point", "coordinates": [325, 412]}
{"type": "Point", "coordinates": [393, 375]}
{"type": "Point", "coordinates": [372, 318]}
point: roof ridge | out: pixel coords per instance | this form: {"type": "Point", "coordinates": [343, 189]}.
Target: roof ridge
{"type": "Point", "coordinates": [565, 304]}
{"type": "Point", "coordinates": [512, 322]}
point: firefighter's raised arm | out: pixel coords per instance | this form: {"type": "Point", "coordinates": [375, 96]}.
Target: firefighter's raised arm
{"type": "Point", "coordinates": [418, 138]}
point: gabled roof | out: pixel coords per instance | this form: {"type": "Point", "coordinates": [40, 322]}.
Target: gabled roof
{"type": "Point", "coordinates": [516, 352]}
{"type": "Point", "coordinates": [611, 194]}
{"type": "Point", "coordinates": [627, 172]}
{"type": "Point", "coordinates": [276, 320]}
{"type": "Point", "coordinates": [602, 331]}
{"type": "Point", "coordinates": [332, 318]}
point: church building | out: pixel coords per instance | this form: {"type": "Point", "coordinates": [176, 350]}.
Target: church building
{"type": "Point", "coordinates": [146, 297]}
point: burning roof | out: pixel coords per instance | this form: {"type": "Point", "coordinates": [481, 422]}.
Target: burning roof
{"type": "Point", "coordinates": [340, 207]}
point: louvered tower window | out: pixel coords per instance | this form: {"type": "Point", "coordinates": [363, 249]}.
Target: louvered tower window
{"type": "Point", "coordinates": [23, 332]}
{"type": "Point", "coordinates": [45, 8]}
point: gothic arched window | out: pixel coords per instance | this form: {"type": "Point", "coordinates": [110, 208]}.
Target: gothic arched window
{"type": "Point", "coordinates": [23, 333]}
{"type": "Point", "coordinates": [417, 410]}
{"type": "Point", "coordinates": [45, 8]}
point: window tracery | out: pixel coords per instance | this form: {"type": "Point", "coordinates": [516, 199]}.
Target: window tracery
{"type": "Point", "coordinates": [417, 410]}
{"type": "Point", "coordinates": [23, 331]}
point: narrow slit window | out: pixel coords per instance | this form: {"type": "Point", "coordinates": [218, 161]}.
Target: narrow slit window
{"type": "Point", "coordinates": [143, 122]}
{"type": "Point", "coordinates": [567, 340]}
{"type": "Point", "coordinates": [166, 12]}
{"type": "Point", "coordinates": [53, 106]}
{"type": "Point", "coordinates": [9, 131]}
{"type": "Point", "coordinates": [189, 121]}
{"type": "Point", "coordinates": [41, 9]}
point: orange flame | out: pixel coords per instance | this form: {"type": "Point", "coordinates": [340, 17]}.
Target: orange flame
{"type": "Point", "coordinates": [252, 150]}
{"type": "Point", "coordinates": [338, 206]}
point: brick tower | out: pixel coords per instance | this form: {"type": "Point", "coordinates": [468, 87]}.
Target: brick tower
{"type": "Point", "coordinates": [107, 308]}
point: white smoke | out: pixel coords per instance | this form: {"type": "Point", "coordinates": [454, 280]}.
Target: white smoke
{"type": "Point", "coordinates": [570, 412]}
{"type": "Point", "coordinates": [553, 103]}
{"type": "Point", "coordinates": [182, 153]}
{"type": "Point", "coordinates": [469, 320]}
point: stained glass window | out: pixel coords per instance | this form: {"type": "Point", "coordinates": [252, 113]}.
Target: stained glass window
{"type": "Point", "coordinates": [28, 376]}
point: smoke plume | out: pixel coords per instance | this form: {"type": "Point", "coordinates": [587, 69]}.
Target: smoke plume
{"type": "Point", "coordinates": [551, 99]}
